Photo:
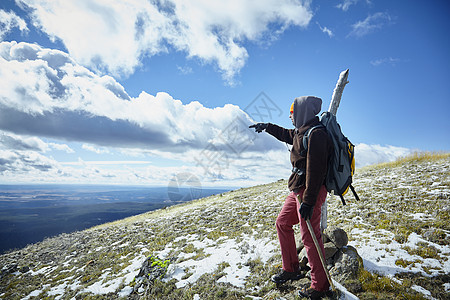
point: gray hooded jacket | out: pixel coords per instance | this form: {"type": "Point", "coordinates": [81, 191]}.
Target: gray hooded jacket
{"type": "Point", "coordinates": [305, 109]}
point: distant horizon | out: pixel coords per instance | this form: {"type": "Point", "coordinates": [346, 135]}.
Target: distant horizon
{"type": "Point", "coordinates": [209, 187]}
{"type": "Point", "coordinates": [30, 213]}
{"type": "Point", "coordinates": [107, 185]}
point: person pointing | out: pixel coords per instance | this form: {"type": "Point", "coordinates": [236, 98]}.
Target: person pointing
{"type": "Point", "coordinates": [307, 192]}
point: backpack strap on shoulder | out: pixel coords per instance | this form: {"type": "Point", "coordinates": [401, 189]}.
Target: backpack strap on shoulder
{"type": "Point", "coordinates": [307, 134]}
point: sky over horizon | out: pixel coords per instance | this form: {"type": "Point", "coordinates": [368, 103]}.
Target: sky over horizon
{"type": "Point", "coordinates": [140, 92]}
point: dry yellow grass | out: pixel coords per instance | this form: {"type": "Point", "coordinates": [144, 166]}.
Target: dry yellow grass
{"type": "Point", "coordinates": [415, 157]}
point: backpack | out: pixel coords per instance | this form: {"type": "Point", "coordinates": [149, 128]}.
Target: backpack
{"type": "Point", "coordinates": [341, 163]}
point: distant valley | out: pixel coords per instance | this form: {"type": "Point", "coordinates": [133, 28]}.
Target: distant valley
{"type": "Point", "coordinates": [30, 213]}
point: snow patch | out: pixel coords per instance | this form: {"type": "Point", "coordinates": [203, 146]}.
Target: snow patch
{"type": "Point", "coordinates": [230, 252]}
{"type": "Point", "coordinates": [423, 291]}
{"type": "Point", "coordinates": [380, 252]}
{"type": "Point", "coordinates": [126, 276]}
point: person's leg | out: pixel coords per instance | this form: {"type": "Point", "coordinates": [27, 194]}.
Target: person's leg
{"type": "Point", "coordinates": [286, 219]}
{"type": "Point", "coordinates": [319, 279]}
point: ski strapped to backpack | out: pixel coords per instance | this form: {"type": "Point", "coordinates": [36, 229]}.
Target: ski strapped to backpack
{"type": "Point", "coordinates": [341, 164]}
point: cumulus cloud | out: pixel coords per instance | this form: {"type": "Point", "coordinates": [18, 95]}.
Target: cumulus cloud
{"type": "Point", "coordinates": [44, 92]}
{"type": "Point", "coordinates": [25, 162]}
{"type": "Point", "coordinates": [373, 154]}
{"type": "Point", "coordinates": [34, 167]}
{"type": "Point", "coordinates": [250, 169]}
{"type": "Point", "coordinates": [113, 36]}
{"type": "Point", "coordinates": [371, 24]}
{"type": "Point", "coordinates": [8, 21]}
{"type": "Point", "coordinates": [15, 142]}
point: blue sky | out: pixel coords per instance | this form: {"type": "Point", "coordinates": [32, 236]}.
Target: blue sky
{"type": "Point", "coordinates": [144, 92]}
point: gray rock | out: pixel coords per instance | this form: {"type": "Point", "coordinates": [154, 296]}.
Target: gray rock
{"type": "Point", "coordinates": [429, 233]}
{"type": "Point", "coordinates": [347, 265]}
{"type": "Point", "coordinates": [330, 250]}
{"type": "Point", "coordinates": [325, 239]}
{"type": "Point", "coordinates": [303, 260]}
{"type": "Point", "coordinates": [337, 236]}
{"type": "Point", "coordinates": [151, 270]}
{"type": "Point", "coordinates": [298, 242]}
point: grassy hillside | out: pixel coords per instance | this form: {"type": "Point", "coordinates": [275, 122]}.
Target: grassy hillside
{"type": "Point", "coordinates": [225, 246]}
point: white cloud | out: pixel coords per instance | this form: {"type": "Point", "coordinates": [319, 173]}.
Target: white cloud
{"type": "Point", "coordinates": [326, 30]}
{"type": "Point", "coordinates": [8, 21]}
{"type": "Point", "coordinates": [91, 148]}
{"type": "Point", "coordinates": [382, 61]}
{"type": "Point", "coordinates": [345, 5]}
{"type": "Point", "coordinates": [249, 169]}
{"type": "Point", "coordinates": [106, 162]}
{"type": "Point", "coordinates": [61, 147]}
{"type": "Point", "coordinates": [370, 24]}
{"type": "Point", "coordinates": [185, 70]}
{"type": "Point", "coordinates": [373, 154]}
{"type": "Point", "coordinates": [113, 36]}
{"type": "Point", "coordinates": [45, 93]}
{"type": "Point", "coordinates": [10, 141]}
{"type": "Point", "coordinates": [24, 162]}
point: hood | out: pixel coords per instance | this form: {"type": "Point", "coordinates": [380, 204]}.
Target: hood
{"type": "Point", "coordinates": [305, 108]}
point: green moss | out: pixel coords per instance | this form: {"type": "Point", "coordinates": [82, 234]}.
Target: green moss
{"type": "Point", "coordinates": [90, 276]}
{"type": "Point", "coordinates": [401, 234]}
{"type": "Point", "coordinates": [442, 220]}
{"type": "Point", "coordinates": [423, 250]}
{"type": "Point", "coordinates": [186, 275]}
{"type": "Point", "coordinates": [189, 248]}
{"type": "Point", "coordinates": [200, 255]}
{"type": "Point", "coordinates": [215, 234]}
{"type": "Point", "coordinates": [376, 283]}
{"type": "Point", "coordinates": [402, 262]}
{"type": "Point", "coordinates": [158, 262]}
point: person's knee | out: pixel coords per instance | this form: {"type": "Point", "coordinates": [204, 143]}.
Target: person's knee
{"type": "Point", "coordinates": [282, 226]}
{"type": "Point", "coordinates": [278, 223]}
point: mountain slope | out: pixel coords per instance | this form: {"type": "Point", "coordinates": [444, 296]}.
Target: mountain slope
{"type": "Point", "coordinates": [225, 246]}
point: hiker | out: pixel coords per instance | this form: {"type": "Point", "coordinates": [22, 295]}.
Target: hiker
{"type": "Point", "coordinates": [307, 193]}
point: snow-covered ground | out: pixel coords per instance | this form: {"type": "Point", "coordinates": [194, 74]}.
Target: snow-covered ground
{"type": "Point", "coordinates": [399, 226]}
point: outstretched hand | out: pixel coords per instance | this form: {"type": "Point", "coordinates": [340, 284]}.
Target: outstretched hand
{"type": "Point", "coordinates": [259, 127]}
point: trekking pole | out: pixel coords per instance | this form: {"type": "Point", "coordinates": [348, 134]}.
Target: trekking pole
{"type": "Point", "coordinates": [322, 259]}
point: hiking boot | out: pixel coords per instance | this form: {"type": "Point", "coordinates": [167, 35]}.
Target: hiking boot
{"type": "Point", "coordinates": [310, 293]}
{"type": "Point", "coordinates": [284, 276]}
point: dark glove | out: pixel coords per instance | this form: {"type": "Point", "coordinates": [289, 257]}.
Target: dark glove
{"type": "Point", "coordinates": [306, 211]}
{"type": "Point", "coordinates": [259, 127]}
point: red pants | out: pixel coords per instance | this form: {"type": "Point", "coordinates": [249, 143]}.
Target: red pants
{"type": "Point", "coordinates": [290, 216]}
